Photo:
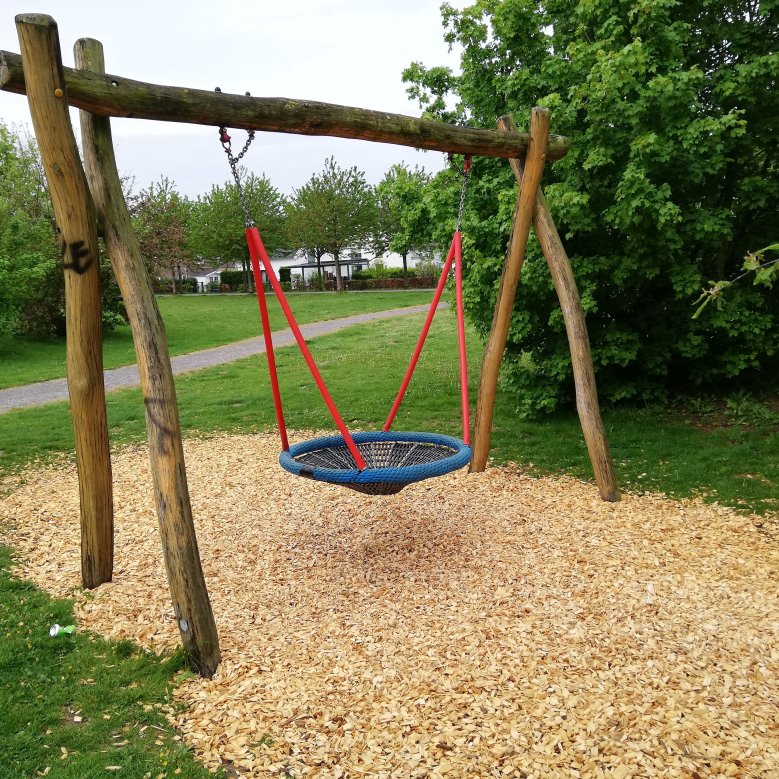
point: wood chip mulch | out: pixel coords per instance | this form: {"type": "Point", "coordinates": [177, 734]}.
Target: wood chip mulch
{"type": "Point", "coordinates": [490, 625]}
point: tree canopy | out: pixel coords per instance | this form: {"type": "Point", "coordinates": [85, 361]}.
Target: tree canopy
{"type": "Point", "coordinates": [216, 225]}
{"type": "Point", "coordinates": [670, 181]}
{"type": "Point", "coordinates": [403, 217]}
{"type": "Point", "coordinates": [333, 211]}
{"type": "Point", "coordinates": [32, 297]}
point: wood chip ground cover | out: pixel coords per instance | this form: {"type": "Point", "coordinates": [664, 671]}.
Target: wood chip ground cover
{"type": "Point", "coordinates": [488, 625]}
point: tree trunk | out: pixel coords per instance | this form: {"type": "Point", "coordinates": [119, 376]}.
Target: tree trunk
{"type": "Point", "coordinates": [339, 285]}
{"type": "Point", "coordinates": [405, 266]}
{"type": "Point", "coordinates": [247, 277]}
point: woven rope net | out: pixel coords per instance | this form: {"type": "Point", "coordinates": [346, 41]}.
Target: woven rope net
{"type": "Point", "coordinates": [378, 454]}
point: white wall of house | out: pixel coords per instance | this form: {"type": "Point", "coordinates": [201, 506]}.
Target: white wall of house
{"type": "Point", "coordinates": [205, 280]}
{"type": "Point", "coordinates": [394, 260]}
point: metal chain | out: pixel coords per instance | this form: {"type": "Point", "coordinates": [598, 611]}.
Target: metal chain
{"type": "Point", "coordinates": [234, 159]}
{"type": "Point", "coordinates": [466, 169]}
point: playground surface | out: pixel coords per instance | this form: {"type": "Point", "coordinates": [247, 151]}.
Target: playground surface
{"type": "Point", "coordinates": [483, 625]}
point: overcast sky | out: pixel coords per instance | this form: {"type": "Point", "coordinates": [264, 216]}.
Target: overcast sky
{"type": "Point", "coordinates": [350, 52]}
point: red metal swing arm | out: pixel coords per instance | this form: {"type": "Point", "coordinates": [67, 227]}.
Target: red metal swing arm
{"type": "Point", "coordinates": [258, 254]}
{"type": "Point", "coordinates": [455, 254]}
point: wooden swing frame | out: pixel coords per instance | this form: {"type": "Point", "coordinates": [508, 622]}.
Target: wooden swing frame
{"type": "Point", "coordinates": [88, 196]}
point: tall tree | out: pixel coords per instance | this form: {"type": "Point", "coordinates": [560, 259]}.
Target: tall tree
{"type": "Point", "coordinates": [32, 285]}
{"type": "Point", "coordinates": [403, 218]}
{"type": "Point", "coordinates": [160, 220]}
{"type": "Point", "coordinates": [216, 226]}
{"type": "Point", "coordinates": [333, 211]}
{"type": "Point", "coordinates": [28, 248]}
{"type": "Point", "coordinates": [301, 231]}
{"type": "Point", "coordinates": [673, 176]}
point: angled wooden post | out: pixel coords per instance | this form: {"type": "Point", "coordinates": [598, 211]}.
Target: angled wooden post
{"type": "Point", "coordinates": [191, 603]}
{"type": "Point", "coordinates": [576, 328]}
{"type": "Point", "coordinates": [504, 305]}
{"type": "Point", "coordinates": [77, 232]}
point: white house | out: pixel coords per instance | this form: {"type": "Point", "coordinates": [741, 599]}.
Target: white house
{"type": "Point", "coordinates": [303, 264]}
{"type": "Point", "coordinates": [206, 278]}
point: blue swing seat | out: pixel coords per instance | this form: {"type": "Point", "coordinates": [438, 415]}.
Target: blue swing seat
{"type": "Point", "coordinates": [394, 460]}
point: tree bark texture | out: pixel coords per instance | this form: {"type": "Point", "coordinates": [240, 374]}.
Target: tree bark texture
{"type": "Point", "coordinates": [77, 232]}
{"type": "Point", "coordinates": [191, 604]}
{"type": "Point", "coordinates": [578, 340]}
{"type": "Point", "coordinates": [504, 305]}
{"type": "Point", "coordinates": [107, 95]}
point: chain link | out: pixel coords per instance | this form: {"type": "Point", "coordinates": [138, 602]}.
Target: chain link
{"type": "Point", "coordinates": [466, 169]}
{"type": "Point", "coordinates": [234, 159]}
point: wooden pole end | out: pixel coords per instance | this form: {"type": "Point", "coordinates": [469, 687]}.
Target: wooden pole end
{"type": "Point", "coordinates": [39, 20]}
{"type": "Point", "coordinates": [89, 53]}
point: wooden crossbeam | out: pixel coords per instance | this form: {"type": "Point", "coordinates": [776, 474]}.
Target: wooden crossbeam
{"type": "Point", "coordinates": [107, 95]}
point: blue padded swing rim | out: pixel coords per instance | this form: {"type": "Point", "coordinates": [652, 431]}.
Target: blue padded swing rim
{"type": "Point", "coordinates": [405, 474]}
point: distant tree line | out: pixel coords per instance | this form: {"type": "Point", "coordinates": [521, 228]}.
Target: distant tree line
{"type": "Point", "coordinates": [336, 211]}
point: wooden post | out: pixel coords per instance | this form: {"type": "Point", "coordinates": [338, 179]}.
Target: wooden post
{"type": "Point", "coordinates": [578, 340]}
{"type": "Point", "coordinates": [504, 305]}
{"type": "Point", "coordinates": [191, 603]}
{"type": "Point", "coordinates": [77, 233]}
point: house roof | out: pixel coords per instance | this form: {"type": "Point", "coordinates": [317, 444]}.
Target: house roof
{"type": "Point", "coordinates": [328, 264]}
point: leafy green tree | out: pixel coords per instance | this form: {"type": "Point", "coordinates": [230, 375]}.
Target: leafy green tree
{"type": "Point", "coordinates": [301, 230]}
{"type": "Point", "coordinates": [27, 245]}
{"type": "Point", "coordinates": [217, 226]}
{"type": "Point", "coordinates": [32, 284]}
{"type": "Point", "coordinates": [672, 177]}
{"type": "Point", "coordinates": [403, 219]}
{"type": "Point", "coordinates": [333, 211]}
{"type": "Point", "coordinates": [160, 216]}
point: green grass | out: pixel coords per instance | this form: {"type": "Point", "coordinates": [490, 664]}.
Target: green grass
{"type": "Point", "coordinates": [195, 322]}
{"type": "Point", "coordinates": [735, 461]}
{"type": "Point", "coordinates": [73, 705]}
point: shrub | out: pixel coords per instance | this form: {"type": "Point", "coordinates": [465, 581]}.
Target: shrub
{"type": "Point", "coordinates": [410, 282]}
{"type": "Point", "coordinates": [188, 285]}
{"type": "Point", "coordinates": [41, 312]}
{"type": "Point", "coordinates": [379, 271]}
{"type": "Point", "coordinates": [233, 278]}
{"type": "Point", "coordinates": [317, 283]}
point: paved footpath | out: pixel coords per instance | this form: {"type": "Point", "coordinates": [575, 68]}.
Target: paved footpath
{"type": "Point", "coordinates": [15, 398]}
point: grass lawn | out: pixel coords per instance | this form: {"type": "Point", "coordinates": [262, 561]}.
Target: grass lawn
{"type": "Point", "coordinates": [195, 322]}
{"type": "Point", "coordinates": [732, 458]}
{"type": "Point", "coordinates": [76, 706]}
